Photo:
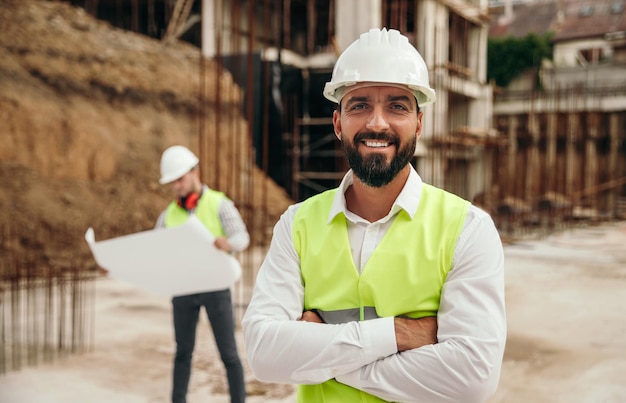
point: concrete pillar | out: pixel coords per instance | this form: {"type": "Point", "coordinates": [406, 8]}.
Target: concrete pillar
{"type": "Point", "coordinates": [512, 155]}
{"type": "Point", "coordinates": [425, 27]}
{"type": "Point", "coordinates": [208, 28]}
{"type": "Point", "coordinates": [591, 154]}
{"type": "Point", "coordinates": [571, 163]}
{"type": "Point", "coordinates": [477, 54]}
{"type": "Point", "coordinates": [431, 33]}
{"type": "Point", "coordinates": [551, 152]}
{"type": "Point", "coordinates": [531, 190]}
{"type": "Point", "coordinates": [354, 17]}
{"type": "Point", "coordinates": [613, 160]}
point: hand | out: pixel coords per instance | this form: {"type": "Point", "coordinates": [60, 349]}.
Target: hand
{"type": "Point", "coordinates": [414, 333]}
{"type": "Point", "coordinates": [310, 316]}
{"type": "Point", "coordinates": [222, 243]}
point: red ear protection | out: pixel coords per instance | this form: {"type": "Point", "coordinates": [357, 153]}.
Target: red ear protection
{"type": "Point", "coordinates": [190, 201]}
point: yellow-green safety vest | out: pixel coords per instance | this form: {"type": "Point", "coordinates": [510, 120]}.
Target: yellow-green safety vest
{"type": "Point", "coordinates": [207, 212]}
{"type": "Point", "coordinates": [404, 275]}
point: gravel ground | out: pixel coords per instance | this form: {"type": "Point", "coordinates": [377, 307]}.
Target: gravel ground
{"type": "Point", "coordinates": [566, 315]}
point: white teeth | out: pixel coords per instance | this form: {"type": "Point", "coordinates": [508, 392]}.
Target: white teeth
{"type": "Point", "coordinates": [376, 143]}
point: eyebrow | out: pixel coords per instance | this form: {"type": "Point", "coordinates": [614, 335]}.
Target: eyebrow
{"type": "Point", "coordinates": [357, 99]}
{"type": "Point", "coordinates": [390, 98]}
{"type": "Point", "coordinates": [395, 98]}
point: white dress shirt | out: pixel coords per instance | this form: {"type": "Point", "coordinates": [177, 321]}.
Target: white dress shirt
{"type": "Point", "coordinates": [464, 366]}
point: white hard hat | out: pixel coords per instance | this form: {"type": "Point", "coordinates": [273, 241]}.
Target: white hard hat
{"type": "Point", "coordinates": [381, 56]}
{"type": "Point", "coordinates": [175, 162]}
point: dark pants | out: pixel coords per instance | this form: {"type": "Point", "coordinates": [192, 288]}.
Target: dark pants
{"type": "Point", "coordinates": [219, 309]}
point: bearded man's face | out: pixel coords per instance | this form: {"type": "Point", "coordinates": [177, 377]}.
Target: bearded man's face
{"type": "Point", "coordinates": [375, 169]}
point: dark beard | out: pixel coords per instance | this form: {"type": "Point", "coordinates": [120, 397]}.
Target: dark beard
{"type": "Point", "coordinates": [373, 170]}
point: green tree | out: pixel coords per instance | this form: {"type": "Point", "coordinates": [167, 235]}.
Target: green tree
{"type": "Point", "coordinates": [509, 57]}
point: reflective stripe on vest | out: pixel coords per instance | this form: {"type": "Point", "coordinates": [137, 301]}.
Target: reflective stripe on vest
{"type": "Point", "coordinates": [404, 275]}
{"type": "Point", "coordinates": [207, 212]}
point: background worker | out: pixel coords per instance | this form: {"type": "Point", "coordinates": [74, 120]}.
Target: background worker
{"type": "Point", "coordinates": [385, 288]}
{"type": "Point", "coordinates": [179, 169]}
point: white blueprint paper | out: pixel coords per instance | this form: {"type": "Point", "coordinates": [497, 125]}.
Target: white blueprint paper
{"type": "Point", "coordinates": [169, 262]}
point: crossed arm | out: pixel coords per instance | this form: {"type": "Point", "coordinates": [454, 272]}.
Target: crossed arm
{"type": "Point", "coordinates": [454, 357]}
{"type": "Point", "coordinates": [410, 333]}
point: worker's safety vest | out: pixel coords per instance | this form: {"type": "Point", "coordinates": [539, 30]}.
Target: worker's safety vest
{"type": "Point", "coordinates": [404, 275]}
{"type": "Point", "coordinates": [207, 212]}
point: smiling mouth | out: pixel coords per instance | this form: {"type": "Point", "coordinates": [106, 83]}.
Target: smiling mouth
{"type": "Point", "coordinates": [376, 143]}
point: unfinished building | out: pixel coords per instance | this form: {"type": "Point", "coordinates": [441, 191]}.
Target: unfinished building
{"type": "Point", "coordinates": [282, 53]}
{"type": "Point", "coordinates": [564, 125]}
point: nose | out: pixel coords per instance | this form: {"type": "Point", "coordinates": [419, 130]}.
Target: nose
{"type": "Point", "coordinates": [377, 121]}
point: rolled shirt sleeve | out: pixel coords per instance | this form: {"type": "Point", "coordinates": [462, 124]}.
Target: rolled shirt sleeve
{"type": "Point", "coordinates": [234, 226]}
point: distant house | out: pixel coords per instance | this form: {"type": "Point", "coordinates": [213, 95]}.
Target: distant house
{"type": "Point", "coordinates": [569, 137]}
{"type": "Point", "coordinates": [522, 18]}
{"type": "Point", "coordinates": [591, 33]}
{"type": "Point", "coordinates": [590, 46]}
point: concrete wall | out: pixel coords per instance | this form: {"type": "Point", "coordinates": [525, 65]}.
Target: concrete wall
{"type": "Point", "coordinates": [567, 54]}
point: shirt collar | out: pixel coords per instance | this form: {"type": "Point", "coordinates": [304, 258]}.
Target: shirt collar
{"type": "Point", "coordinates": [408, 199]}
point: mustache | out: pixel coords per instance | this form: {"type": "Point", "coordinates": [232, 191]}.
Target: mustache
{"type": "Point", "coordinates": [388, 137]}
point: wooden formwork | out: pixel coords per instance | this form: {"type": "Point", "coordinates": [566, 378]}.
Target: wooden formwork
{"type": "Point", "coordinates": [567, 162]}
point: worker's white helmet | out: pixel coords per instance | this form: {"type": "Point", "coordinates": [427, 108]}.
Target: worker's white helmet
{"type": "Point", "coordinates": [381, 56]}
{"type": "Point", "coordinates": [175, 162]}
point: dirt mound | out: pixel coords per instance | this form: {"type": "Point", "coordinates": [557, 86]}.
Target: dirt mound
{"type": "Point", "coordinates": [86, 110]}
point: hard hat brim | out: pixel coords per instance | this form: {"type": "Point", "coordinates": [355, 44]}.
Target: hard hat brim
{"type": "Point", "coordinates": [335, 93]}
{"type": "Point", "coordinates": [170, 178]}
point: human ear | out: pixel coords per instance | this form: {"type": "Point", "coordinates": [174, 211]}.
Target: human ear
{"type": "Point", "coordinates": [418, 129]}
{"type": "Point", "coordinates": [337, 124]}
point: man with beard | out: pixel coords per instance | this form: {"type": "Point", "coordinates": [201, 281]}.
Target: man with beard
{"type": "Point", "coordinates": [385, 288]}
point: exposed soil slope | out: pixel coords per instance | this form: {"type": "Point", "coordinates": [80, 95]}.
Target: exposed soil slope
{"type": "Point", "coordinates": [86, 110]}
